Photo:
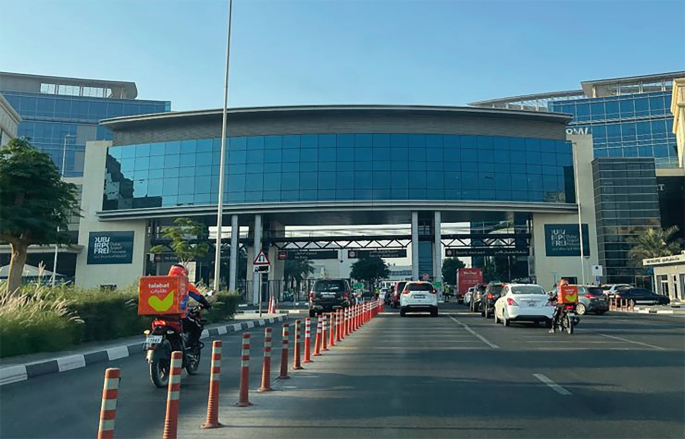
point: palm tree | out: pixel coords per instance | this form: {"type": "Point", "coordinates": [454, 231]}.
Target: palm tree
{"type": "Point", "coordinates": [297, 270]}
{"type": "Point", "coordinates": [654, 243]}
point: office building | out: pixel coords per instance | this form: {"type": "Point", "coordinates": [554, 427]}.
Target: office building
{"type": "Point", "coordinates": [9, 121]}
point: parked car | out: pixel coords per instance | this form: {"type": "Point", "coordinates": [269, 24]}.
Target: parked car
{"type": "Point", "coordinates": [591, 299]}
{"type": "Point", "coordinates": [327, 295]}
{"type": "Point", "coordinates": [468, 295]}
{"type": "Point", "coordinates": [396, 292]}
{"type": "Point", "coordinates": [610, 289]}
{"type": "Point", "coordinates": [419, 296]}
{"type": "Point", "coordinates": [475, 297]}
{"type": "Point", "coordinates": [640, 296]}
{"type": "Point", "coordinates": [489, 297]}
{"type": "Point", "coordinates": [523, 303]}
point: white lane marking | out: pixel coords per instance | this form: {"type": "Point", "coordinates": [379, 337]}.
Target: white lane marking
{"type": "Point", "coordinates": [633, 342]}
{"type": "Point", "coordinates": [554, 386]}
{"type": "Point", "coordinates": [480, 337]}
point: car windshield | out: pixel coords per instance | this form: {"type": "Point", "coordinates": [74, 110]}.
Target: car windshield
{"type": "Point", "coordinates": [329, 285]}
{"type": "Point", "coordinates": [419, 287]}
{"type": "Point", "coordinates": [495, 289]}
{"type": "Point", "coordinates": [400, 286]}
{"type": "Point", "coordinates": [594, 290]}
{"type": "Point", "coordinates": [527, 289]}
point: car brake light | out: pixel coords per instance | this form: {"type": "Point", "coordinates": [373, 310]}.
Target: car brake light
{"type": "Point", "coordinates": [511, 302]}
{"type": "Point", "coordinates": [434, 291]}
{"type": "Point", "coordinates": [490, 296]}
{"type": "Point", "coordinates": [618, 296]}
{"type": "Point", "coordinates": [405, 292]}
{"type": "Point", "coordinates": [590, 296]}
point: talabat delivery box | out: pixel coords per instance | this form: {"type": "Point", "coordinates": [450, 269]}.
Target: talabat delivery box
{"type": "Point", "coordinates": [162, 295]}
{"type": "Point", "coordinates": [568, 294]}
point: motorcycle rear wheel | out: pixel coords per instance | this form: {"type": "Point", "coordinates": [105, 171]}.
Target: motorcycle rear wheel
{"type": "Point", "coordinates": [193, 361]}
{"type": "Point", "coordinates": [568, 324]}
{"type": "Point", "coordinates": [159, 366]}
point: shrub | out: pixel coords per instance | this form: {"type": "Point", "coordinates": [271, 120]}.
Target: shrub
{"type": "Point", "coordinates": [223, 308]}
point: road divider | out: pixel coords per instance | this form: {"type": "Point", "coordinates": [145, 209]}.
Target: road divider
{"type": "Point", "coordinates": [296, 349]}
{"type": "Point", "coordinates": [307, 340]}
{"type": "Point", "coordinates": [317, 342]}
{"type": "Point", "coordinates": [108, 409]}
{"type": "Point", "coordinates": [212, 420]}
{"type": "Point", "coordinates": [244, 393]}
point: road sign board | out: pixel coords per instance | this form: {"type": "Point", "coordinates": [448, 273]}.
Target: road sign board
{"type": "Point", "coordinates": [261, 259]}
{"type": "Point", "coordinates": [597, 270]}
{"type": "Point", "coordinates": [437, 284]}
{"type": "Point", "coordinates": [261, 268]}
{"type": "Point", "coordinates": [377, 253]}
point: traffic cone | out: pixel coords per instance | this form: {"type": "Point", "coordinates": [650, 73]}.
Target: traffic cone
{"type": "Point", "coordinates": [173, 396]}
{"type": "Point", "coordinates": [324, 333]}
{"type": "Point", "coordinates": [284, 353]}
{"type": "Point", "coordinates": [244, 395]}
{"type": "Point", "coordinates": [266, 363]}
{"type": "Point", "coordinates": [317, 342]}
{"type": "Point", "coordinates": [307, 340]}
{"type": "Point", "coordinates": [108, 408]}
{"type": "Point", "coordinates": [296, 351]}
{"type": "Point", "coordinates": [214, 380]}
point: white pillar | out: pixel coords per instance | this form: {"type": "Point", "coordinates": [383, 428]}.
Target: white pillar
{"type": "Point", "coordinates": [235, 250]}
{"type": "Point", "coordinates": [437, 247]}
{"type": "Point", "coordinates": [257, 248]}
{"type": "Point", "coordinates": [415, 246]}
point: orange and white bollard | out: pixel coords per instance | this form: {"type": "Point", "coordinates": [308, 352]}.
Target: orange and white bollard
{"type": "Point", "coordinates": [296, 350]}
{"type": "Point", "coordinates": [244, 394]}
{"type": "Point", "coordinates": [339, 325]}
{"type": "Point", "coordinates": [317, 342]}
{"type": "Point", "coordinates": [173, 396]}
{"type": "Point", "coordinates": [266, 363]}
{"type": "Point", "coordinates": [331, 339]}
{"type": "Point", "coordinates": [307, 340]}
{"type": "Point", "coordinates": [284, 352]}
{"type": "Point", "coordinates": [108, 409]}
{"type": "Point", "coordinates": [324, 333]}
{"type": "Point", "coordinates": [214, 380]}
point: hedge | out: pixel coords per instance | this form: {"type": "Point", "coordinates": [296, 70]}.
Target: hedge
{"type": "Point", "coordinates": [43, 319]}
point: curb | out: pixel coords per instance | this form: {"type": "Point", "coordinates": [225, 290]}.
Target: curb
{"type": "Point", "coordinates": [23, 372]}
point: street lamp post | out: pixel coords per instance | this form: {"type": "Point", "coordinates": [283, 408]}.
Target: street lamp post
{"type": "Point", "coordinates": [64, 163]}
{"type": "Point", "coordinates": [580, 218]}
{"type": "Point", "coordinates": [222, 165]}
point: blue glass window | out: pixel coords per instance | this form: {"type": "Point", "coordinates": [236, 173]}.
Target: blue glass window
{"type": "Point", "coordinates": [363, 140]}
{"type": "Point", "coordinates": [273, 156]}
{"type": "Point", "coordinates": [272, 142]}
{"type": "Point", "coordinates": [309, 141]}
{"type": "Point", "coordinates": [238, 143]}
{"type": "Point", "coordinates": [327, 140]}
{"type": "Point", "coordinates": [381, 140]}
{"type": "Point", "coordinates": [345, 140]}
{"type": "Point", "coordinates": [291, 155]}
{"type": "Point", "coordinates": [309, 155]}
{"type": "Point", "coordinates": [363, 154]}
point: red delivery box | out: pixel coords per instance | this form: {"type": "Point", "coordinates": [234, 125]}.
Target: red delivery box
{"type": "Point", "coordinates": [162, 295]}
{"type": "Point", "coordinates": [568, 294]}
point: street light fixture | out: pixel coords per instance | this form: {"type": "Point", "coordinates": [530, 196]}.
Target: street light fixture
{"type": "Point", "coordinates": [64, 164]}
{"type": "Point", "coordinates": [222, 165]}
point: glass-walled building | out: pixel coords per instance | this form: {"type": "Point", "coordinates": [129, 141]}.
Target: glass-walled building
{"type": "Point", "coordinates": [62, 114]}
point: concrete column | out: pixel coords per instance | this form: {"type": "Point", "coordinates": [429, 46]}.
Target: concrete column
{"type": "Point", "coordinates": [437, 248]}
{"type": "Point", "coordinates": [415, 246]}
{"type": "Point", "coordinates": [257, 246]}
{"type": "Point", "coordinates": [235, 250]}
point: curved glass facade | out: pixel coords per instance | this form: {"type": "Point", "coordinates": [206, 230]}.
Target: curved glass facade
{"type": "Point", "coordinates": [342, 167]}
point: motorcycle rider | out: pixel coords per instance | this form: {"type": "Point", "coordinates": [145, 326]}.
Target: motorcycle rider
{"type": "Point", "coordinates": [191, 326]}
{"type": "Point", "coordinates": [558, 306]}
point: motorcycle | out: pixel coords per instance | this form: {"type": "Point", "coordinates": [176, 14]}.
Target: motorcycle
{"type": "Point", "coordinates": [166, 336]}
{"type": "Point", "coordinates": [568, 319]}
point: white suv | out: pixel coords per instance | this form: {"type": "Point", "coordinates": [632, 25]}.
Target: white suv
{"type": "Point", "coordinates": [419, 296]}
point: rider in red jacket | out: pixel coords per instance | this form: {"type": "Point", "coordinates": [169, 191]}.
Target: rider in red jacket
{"type": "Point", "coordinates": [190, 325]}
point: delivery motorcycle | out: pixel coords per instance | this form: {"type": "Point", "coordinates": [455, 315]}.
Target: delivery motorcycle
{"type": "Point", "coordinates": [568, 318]}
{"type": "Point", "coordinates": [166, 336]}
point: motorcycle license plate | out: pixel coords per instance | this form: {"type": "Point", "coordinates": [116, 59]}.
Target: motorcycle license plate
{"type": "Point", "coordinates": [153, 339]}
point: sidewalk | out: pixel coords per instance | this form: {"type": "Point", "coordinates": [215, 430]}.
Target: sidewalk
{"type": "Point", "coordinates": [24, 367]}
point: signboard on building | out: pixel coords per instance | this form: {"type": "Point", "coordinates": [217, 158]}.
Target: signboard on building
{"type": "Point", "coordinates": [665, 260]}
{"type": "Point", "coordinates": [110, 248]}
{"type": "Point", "coordinates": [564, 240]}
{"type": "Point", "coordinates": [485, 251]}
{"type": "Point", "coordinates": [307, 254]}
{"type": "Point", "coordinates": [378, 253]}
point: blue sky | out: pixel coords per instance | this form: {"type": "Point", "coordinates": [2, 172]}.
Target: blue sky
{"type": "Point", "coordinates": [342, 52]}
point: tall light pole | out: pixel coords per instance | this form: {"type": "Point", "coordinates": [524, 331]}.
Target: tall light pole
{"type": "Point", "coordinates": [576, 179]}
{"type": "Point", "coordinates": [64, 164]}
{"type": "Point", "coordinates": [222, 165]}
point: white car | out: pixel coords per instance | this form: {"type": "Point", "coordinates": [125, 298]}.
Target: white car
{"type": "Point", "coordinates": [468, 295]}
{"type": "Point", "coordinates": [611, 289]}
{"type": "Point", "coordinates": [418, 297]}
{"type": "Point", "coordinates": [523, 303]}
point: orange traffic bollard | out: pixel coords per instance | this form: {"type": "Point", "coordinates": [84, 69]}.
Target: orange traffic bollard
{"type": "Point", "coordinates": [338, 326]}
{"type": "Point", "coordinates": [324, 333]}
{"type": "Point", "coordinates": [108, 408]}
{"type": "Point", "coordinates": [173, 396]}
{"type": "Point", "coordinates": [244, 395]}
{"type": "Point", "coordinates": [284, 352]}
{"type": "Point", "coordinates": [307, 340]}
{"type": "Point", "coordinates": [331, 339]}
{"type": "Point", "coordinates": [296, 350]}
{"type": "Point", "coordinates": [266, 363]}
{"type": "Point", "coordinates": [214, 380]}
{"type": "Point", "coordinates": [317, 342]}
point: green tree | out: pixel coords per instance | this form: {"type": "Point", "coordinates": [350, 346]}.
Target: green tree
{"type": "Point", "coordinates": [189, 240]}
{"type": "Point", "coordinates": [654, 243]}
{"type": "Point", "coordinates": [449, 270]}
{"type": "Point", "coordinates": [35, 204]}
{"type": "Point", "coordinates": [370, 270]}
{"type": "Point", "coordinates": [297, 270]}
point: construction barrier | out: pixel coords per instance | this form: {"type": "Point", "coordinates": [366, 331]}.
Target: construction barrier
{"type": "Point", "coordinates": [296, 350]}
{"type": "Point", "coordinates": [108, 408]}
{"type": "Point", "coordinates": [266, 363]}
{"type": "Point", "coordinates": [173, 395]}
{"type": "Point", "coordinates": [307, 340]}
{"type": "Point", "coordinates": [244, 395]}
{"type": "Point", "coordinates": [214, 380]}
{"type": "Point", "coordinates": [332, 320]}
{"type": "Point", "coordinates": [284, 352]}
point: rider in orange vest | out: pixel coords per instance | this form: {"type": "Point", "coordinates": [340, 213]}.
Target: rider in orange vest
{"type": "Point", "coordinates": [190, 326]}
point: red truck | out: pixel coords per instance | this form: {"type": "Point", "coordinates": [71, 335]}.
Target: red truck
{"type": "Point", "coordinates": [467, 277]}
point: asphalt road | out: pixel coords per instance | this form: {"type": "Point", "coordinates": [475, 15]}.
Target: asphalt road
{"type": "Point", "coordinates": [458, 375]}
